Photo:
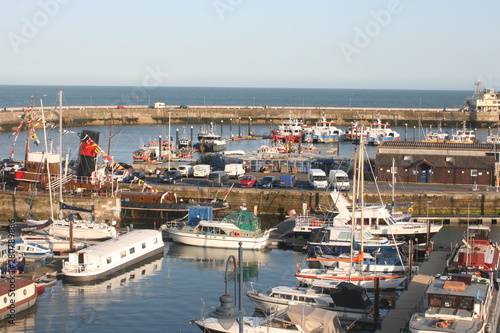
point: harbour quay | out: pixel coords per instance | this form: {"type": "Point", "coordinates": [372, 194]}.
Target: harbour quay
{"type": "Point", "coordinates": [245, 115]}
{"type": "Point", "coordinates": [449, 204]}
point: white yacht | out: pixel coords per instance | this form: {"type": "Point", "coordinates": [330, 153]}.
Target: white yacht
{"type": "Point", "coordinates": [326, 131]}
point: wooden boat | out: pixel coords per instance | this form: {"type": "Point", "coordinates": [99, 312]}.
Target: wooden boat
{"type": "Point", "coordinates": [14, 301]}
{"type": "Point", "coordinates": [458, 303]}
{"type": "Point", "coordinates": [112, 255]}
{"type": "Point", "coordinates": [240, 227]}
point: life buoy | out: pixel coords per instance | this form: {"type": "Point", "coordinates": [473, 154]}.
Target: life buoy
{"type": "Point", "coordinates": [442, 323]}
{"type": "Point", "coordinates": [410, 210]}
{"type": "Point", "coordinates": [315, 223]}
{"type": "Point", "coordinates": [236, 233]}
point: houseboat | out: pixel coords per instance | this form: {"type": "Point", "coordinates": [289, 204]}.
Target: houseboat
{"type": "Point", "coordinates": [112, 255]}
{"type": "Point", "coordinates": [22, 298]}
{"type": "Point", "coordinates": [458, 303]}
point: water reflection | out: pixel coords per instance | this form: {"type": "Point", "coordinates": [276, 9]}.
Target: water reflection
{"type": "Point", "coordinates": [214, 258]}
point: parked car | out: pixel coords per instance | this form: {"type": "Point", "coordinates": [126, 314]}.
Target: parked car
{"type": "Point", "coordinates": [172, 176]}
{"type": "Point", "coordinates": [136, 174]}
{"type": "Point", "coordinates": [247, 181]}
{"type": "Point", "coordinates": [268, 181]}
{"type": "Point", "coordinates": [183, 107]}
{"type": "Point", "coordinates": [120, 107]}
{"type": "Point", "coordinates": [119, 175]}
{"type": "Point", "coordinates": [218, 178]}
{"type": "Point", "coordinates": [287, 181]}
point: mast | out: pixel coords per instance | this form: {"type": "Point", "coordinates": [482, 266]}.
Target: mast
{"type": "Point", "coordinates": [47, 162]}
{"type": "Point", "coordinates": [60, 152]}
{"type": "Point", "coordinates": [28, 126]}
{"type": "Point", "coordinates": [361, 194]}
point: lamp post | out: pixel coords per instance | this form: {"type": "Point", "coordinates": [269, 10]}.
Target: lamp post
{"type": "Point", "coordinates": [222, 129]}
{"type": "Point", "coordinates": [230, 128]}
{"type": "Point", "coordinates": [239, 127]}
{"type": "Point", "coordinates": [159, 148]}
{"type": "Point", "coordinates": [428, 242]}
{"type": "Point", "coordinates": [169, 138]}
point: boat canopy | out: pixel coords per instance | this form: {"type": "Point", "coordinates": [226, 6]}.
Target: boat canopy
{"type": "Point", "coordinates": [244, 220]}
{"type": "Point", "coordinates": [312, 319]}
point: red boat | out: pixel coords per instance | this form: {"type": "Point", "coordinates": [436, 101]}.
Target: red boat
{"type": "Point", "coordinates": [477, 252]}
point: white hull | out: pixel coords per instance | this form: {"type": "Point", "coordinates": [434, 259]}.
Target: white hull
{"type": "Point", "coordinates": [110, 256]}
{"type": "Point", "coordinates": [82, 230]}
{"type": "Point", "coordinates": [220, 241]}
{"type": "Point", "coordinates": [367, 280]}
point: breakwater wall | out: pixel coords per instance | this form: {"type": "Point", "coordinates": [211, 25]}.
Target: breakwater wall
{"type": "Point", "coordinates": [272, 115]}
{"type": "Point", "coordinates": [274, 201]}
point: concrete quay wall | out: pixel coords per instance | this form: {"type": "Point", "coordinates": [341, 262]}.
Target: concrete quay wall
{"type": "Point", "coordinates": [273, 201]}
{"type": "Point", "coordinates": [142, 115]}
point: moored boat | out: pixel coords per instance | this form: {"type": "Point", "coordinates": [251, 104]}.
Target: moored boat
{"type": "Point", "coordinates": [112, 255]}
{"type": "Point", "coordinates": [240, 227]}
{"type": "Point", "coordinates": [21, 298]}
{"type": "Point", "coordinates": [379, 132]}
{"type": "Point", "coordinates": [325, 131]}
{"type": "Point", "coordinates": [457, 303]}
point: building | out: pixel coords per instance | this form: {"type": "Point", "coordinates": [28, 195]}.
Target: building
{"type": "Point", "coordinates": [442, 163]}
{"type": "Point", "coordinates": [483, 100]}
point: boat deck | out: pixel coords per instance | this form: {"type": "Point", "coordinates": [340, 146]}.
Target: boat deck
{"type": "Point", "coordinates": [408, 302]}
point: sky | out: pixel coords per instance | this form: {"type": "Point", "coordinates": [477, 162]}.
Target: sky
{"type": "Point", "coordinates": [362, 44]}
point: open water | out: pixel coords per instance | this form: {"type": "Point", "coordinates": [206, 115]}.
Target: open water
{"type": "Point", "coordinates": [163, 294]}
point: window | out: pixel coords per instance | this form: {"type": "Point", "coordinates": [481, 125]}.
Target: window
{"type": "Point", "coordinates": [108, 260]}
{"type": "Point", "coordinates": [131, 250]}
{"type": "Point", "coordinates": [466, 303]}
{"type": "Point", "coordinates": [407, 158]}
{"type": "Point", "coordinates": [155, 240]}
{"type": "Point", "coordinates": [123, 254]}
{"type": "Point", "coordinates": [435, 301]}
{"type": "Point", "coordinates": [450, 301]}
{"type": "Point", "coordinates": [450, 159]}
{"type": "Point", "coordinates": [143, 245]}
{"type": "Point", "coordinates": [473, 173]}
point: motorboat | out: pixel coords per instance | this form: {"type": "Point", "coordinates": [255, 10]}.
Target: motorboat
{"type": "Point", "coordinates": [105, 258]}
{"type": "Point", "coordinates": [355, 132]}
{"type": "Point", "coordinates": [379, 132]}
{"type": "Point", "coordinates": [31, 250]}
{"type": "Point", "coordinates": [477, 252]}
{"type": "Point", "coordinates": [325, 131]}
{"type": "Point", "coordinates": [239, 227]}
{"type": "Point", "coordinates": [22, 298]}
{"type": "Point", "coordinates": [349, 301]}
{"type": "Point", "coordinates": [464, 135]}
{"type": "Point", "coordinates": [291, 131]}
{"type": "Point", "coordinates": [436, 136]}
{"type": "Point", "coordinates": [456, 303]}
{"type": "Point", "coordinates": [295, 318]}
{"type": "Point", "coordinates": [56, 245]}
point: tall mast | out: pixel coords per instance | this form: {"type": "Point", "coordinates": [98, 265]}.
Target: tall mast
{"type": "Point", "coordinates": [60, 152]}
{"type": "Point", "coordinates": [28, 124]}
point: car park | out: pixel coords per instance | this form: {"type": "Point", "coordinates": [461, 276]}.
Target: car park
{"type": "Point", "coordinates": [172, 176]}
{"type": "Point", "coordinates": [268, 182]}
{"type": "Point", "coordinates": [134, 176]}
{"type": "Point", "coordinates": [247, 181]}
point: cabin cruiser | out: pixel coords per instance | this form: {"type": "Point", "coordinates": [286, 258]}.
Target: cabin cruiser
{"type": "Point", "coordinates": [379, 132]}
{"type": "Point", "coordinates": [325, 131]}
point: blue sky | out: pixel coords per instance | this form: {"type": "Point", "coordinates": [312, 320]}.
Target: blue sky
{"type": "Point", "coordinates": [399, 44]}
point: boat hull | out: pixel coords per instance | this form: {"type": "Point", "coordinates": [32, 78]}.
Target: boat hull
{"type": "Point", "coordinates": [82, 278]}
{"type": "Point", "coordinates": [386, 282]}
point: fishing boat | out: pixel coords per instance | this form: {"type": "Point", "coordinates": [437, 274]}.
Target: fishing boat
{"type": "Point", "coordinates": [457, 303]}
{"type": "Point", "coordinates": [355, 132]}
{"type": "Point", "coordinates": [349, 301]}
{"type": "Point", "coordinates": [379, 132]}
{"type": "Point", "coordinates": [210, 141]}
{"type": "Point", "coordinates": [436, 136]}
{"type": "Point", "coordinates": [239, 227]}
{"type": "Point", "coordinates": [23, 297]}
{"type": "Point", "coordinates": [464, 136]}
{"type": "Point", "coordinates": [325, 131]}
{"type": "Point", "coordinates": [112, 255]}
{"type": "Point", "coordinates": [295, 318]}
{"type": "Point", "coordinates": [150, 151]}
{"type": "Point", "coordinates": [493, 137]}
{"type": "Point", "coordinates": [291, 131]}
{"type": "Point", "coordinates": [477, 252]}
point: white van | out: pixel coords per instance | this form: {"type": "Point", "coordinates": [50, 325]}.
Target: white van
{"type": "Point", "coordinates": [316, 178]}
{"type": "Point", "coordinates": [339, 180]}
{"type": "Point", "coordinates": [201, 170]}
{"type": "Point", "coordinates": [159, 105]}
{"type": "Point", "coordinates": [186, 170]}
{"type": "Point", "coordinates": [234, 170]}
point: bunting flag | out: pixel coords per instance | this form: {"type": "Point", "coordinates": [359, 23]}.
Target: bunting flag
{"type": "Point", "coordinates": [90, 148]}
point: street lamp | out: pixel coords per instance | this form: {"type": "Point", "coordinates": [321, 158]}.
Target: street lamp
{"type": "Point", "coordinates": [169, 138]}
{"type": "Point", "coordinates": [428, 242]}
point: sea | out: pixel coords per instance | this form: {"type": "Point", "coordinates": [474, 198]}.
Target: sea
{"type": "Point", "coordinates": [165, 293]}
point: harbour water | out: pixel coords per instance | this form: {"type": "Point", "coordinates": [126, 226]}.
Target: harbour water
{"type": "Point", "coordinates": [166, 293]}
